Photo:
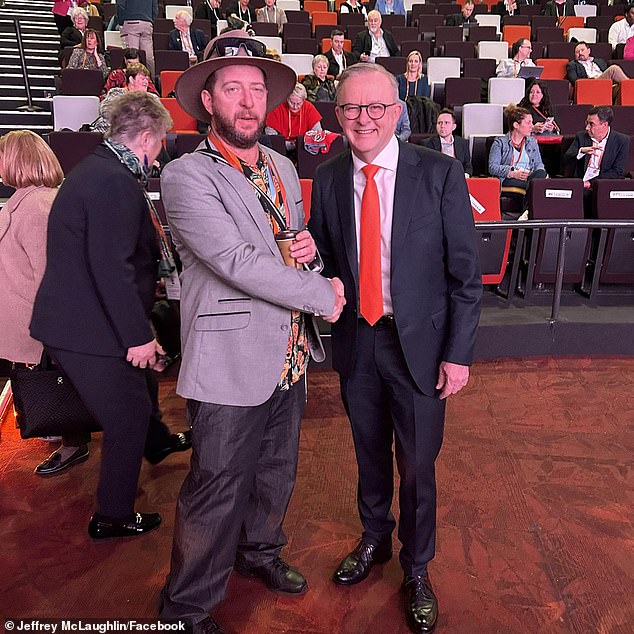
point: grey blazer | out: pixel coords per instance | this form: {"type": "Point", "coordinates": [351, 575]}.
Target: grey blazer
{"type": "Point", "coordinates": [237, 293]}
{"type": "Point", "coordinates": [501, 156]}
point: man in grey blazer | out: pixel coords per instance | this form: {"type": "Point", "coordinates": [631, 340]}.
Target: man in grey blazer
{"type": "Point", "coordinates": [247, 331]}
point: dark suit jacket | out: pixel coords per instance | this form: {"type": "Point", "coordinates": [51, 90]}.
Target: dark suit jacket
{"type": "Point", "coordinates": [457, 19]}
{"type": "Point", "coordinates": [333, 67]}
{"type": "Point", "coordinates": [363, 43]}
{"type": "Point", "coordinates": [198, 37]}
{"type": "Point", "coordinates": [435, 272]}
{"type": "Point", "coordinates": [102, 252]}
{"type": "Point", "coordinates": [551, 8]}
{"type": "Point", "coordinates": [461, 148]}
{"type": "Point", "coordinates": [234, 7]}
{"type": "Point", "coordinates": [614, 159]}
{"type": "Point", "coordinates": [205, 12]}
{"type": "Point", "coordinates": [575, 70]}
{"type": "Point", "coordinates": [70, 37]}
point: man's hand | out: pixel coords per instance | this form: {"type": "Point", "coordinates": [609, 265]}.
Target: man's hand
{"type": "Point", "coordinates": [587, 184]}
{"type": "Point", "coordinates": [303, 248]}
{"type": "Point", "coordinates": [340, 300]}
{"type": "Point", "coordinates": [144, 356]}
{"type": "Point", "coordinates": [590, 149]}
{"type": "Point", "coordinates": [451, 378]}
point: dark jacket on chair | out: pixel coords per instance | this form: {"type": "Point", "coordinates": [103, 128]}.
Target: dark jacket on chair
{"type": "Point", "coordinates": [363, 43]}
{"type": "Point", "coordinates": [614, 161]}
{"type": "Point", "coordinates": [575, 70]}
{"type": "Point", "coordinates": [460, 148]}
{"type": "Point", "coordinates": [198, 38]}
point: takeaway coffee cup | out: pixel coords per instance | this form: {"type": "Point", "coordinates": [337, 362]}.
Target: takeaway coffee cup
{"type": "Point", "coordinates": [284, 240]}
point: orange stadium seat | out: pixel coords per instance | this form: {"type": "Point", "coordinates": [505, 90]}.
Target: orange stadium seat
{"type": "Point", "coordinates": [597, 92]}
{"type": "Point", "coordinates": [554, 68]}
{"type": "Point", "coordinates": [315, 5]}
{"type": "Point", "coordinates": [307, 192]}
{"type": "Point", "coordinates": [168, 81]}
{"type": "Point", "coordinates": [627, 92]}
{"type": "Point", "coordinates": [513, 32]}
{"type": "Point", "coordinates": [326, 45]}
{"type": "Point", "coordinates": [183, 122]}
{"type": "Point", "coordinates": [324, 17]}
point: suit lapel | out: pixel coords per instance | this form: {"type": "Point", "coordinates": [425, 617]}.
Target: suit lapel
{"type": "Point", "coordinates": [344, 195]}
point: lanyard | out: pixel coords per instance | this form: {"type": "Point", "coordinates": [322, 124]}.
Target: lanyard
{"type": "Point", "coordinates": [521, 150]}
{"type": "Point", "coordinates": [537, 110]}
{"type": "Point", "coordinates": [290, 135]}
{"type": "Point", "coordinates": [415, 93]}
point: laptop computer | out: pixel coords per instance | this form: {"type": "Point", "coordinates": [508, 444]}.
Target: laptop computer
{"type": "Point", "coordinates": [530, 72]}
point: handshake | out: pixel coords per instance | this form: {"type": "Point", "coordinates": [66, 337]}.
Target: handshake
{"type": "Point", "coordinates": [340, 300]}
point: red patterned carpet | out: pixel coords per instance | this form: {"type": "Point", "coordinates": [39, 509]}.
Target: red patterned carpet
{"type": "Point", "coordinates": [536, 520]}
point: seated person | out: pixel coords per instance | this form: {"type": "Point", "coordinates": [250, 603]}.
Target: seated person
{"type": "Point", "coordinates": [271, 13]}
{"type": "Point", "coordinates": [403, 129]}
{"type": "Point", "coordinates": [413, 82]}
{"type": "Point", "coordinates": [73, 35]}
{"type": "Point", "coordinates": [184, 38]}
{"type": "Point", "coordinates": [294, 117]}
{"type": "Point", "coordinates": [599, 152]}
{"type": "Point", "coordinates": [560, 9]}
{"type": "Point", "coordinates": [117, 78]}
{"type": "Point", "coordinates": [620, 32]}
{"type": "Point", "coordinates": [319, 87]}
{"type": "Point", "coordinates": [537, 101]}
{"type": "Point", "coordinates": [87, 56]}
{"type": "Point", "coordinates": [373, 42]}
{"type": "Point", "coordinates": [210, 10]}
{"type": "Point", "coordinates": [520, 56]}
{"type": "Point", "coordinates": [354, 6]}
{"type": "Point", "coordinates": [389, 7]}
{"type": "Point", "coordinates": [445, 141]}
{"type": "Point", "coordinates": [464, 17]}
{"type": "Point", "coordinates": [504, 8]}
{"type": "Point", "coordinates": [241, 10]}
{"type": "Point", "coordinates": [514, 158]}
{"type": "Point", "coordinates": [338, 58]}
{"type": "Point", "coordinates": [584, 66]}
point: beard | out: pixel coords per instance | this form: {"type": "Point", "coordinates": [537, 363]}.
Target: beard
{"type": "Point", "coordinates": [226, 130]}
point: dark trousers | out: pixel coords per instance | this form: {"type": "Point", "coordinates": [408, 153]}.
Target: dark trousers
{"type": "Point", "coordinates": [385, 406]}
{"type": "Point", "coordinates": [116, 393]}
{"type": "Point", "coordinates": [62, 22]}
{"type": "Point", "coordinates": [233, 502]}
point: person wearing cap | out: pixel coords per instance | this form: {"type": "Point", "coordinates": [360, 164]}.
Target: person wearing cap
{"type": "Point", "coordinates": [247, 330]}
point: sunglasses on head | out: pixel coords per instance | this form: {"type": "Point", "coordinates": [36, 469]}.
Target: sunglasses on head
{"type": "Point", "coordinates": [230, 47]}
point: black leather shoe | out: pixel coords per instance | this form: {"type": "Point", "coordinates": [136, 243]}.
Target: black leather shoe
{"type": "Point", "coordinates": [207, 626]}
{"type": "Point", "coordinates": [100, 528]}
{"type": "Point", "coordinates": [357, 565]}
{"type": "Point", "coordinates": [278, 576]}
{"type": "Point", "coordinates": [178, 442]}
{"type": "Point", "coordinates": [421, 604]}
{"type": "Point", "coordinates": [54, 464]}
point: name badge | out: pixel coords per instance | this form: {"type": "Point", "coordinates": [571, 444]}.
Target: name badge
{"type": "Point", "coordinates": [559, 193]}
{"type": "Point", "coordinates": [477, 206]}
{"type": "Point", "coordinates": [621, 194]}
{"type": "Point", "coordinates": [173, 287]}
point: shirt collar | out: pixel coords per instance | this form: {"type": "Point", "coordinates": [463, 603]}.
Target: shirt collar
{"type": "Point", "coordinates": [605, 140]}
{"type": "Point", "coordinates": [387, 157]}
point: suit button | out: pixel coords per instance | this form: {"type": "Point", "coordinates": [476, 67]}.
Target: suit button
{"type": "Point", "coordinates": [284, 327]}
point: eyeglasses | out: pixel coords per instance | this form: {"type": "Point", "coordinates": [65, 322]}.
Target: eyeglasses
{"type": "Point", "coordinates": [230, 47]}
{"type": "Point", "coordinates": [528, 46]}
{"type": "Point", "coordinates": [352, 111]}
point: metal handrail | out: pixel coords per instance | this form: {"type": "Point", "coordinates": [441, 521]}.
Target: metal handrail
{"type": "Point", "coordinates": [562, 225]}
{"type": "Point", "coordinates": [29, 106]}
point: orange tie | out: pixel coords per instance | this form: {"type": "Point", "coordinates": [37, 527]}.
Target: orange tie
{"type": "Point", "coordinates": [370, 289]}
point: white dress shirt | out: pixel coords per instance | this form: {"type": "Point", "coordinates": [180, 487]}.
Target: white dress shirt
{"type": "Point", "coordinates": [385, 180]}
{"type": "Point", "coordinates": [594, 164]}
{"type": "Point", "coordinates": [379, 47]}
{"type": "Point", "coordinates": [341, 60]}
{"type": "Point", "coordinates": [592, 70]}
{"type": "Point", "coordinates": [620, 32]}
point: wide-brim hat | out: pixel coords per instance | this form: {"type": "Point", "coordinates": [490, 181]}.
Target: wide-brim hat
{"type": "Point", "coordinates": [232, 49]}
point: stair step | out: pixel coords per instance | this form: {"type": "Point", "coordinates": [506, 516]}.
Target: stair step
{"type": "Point", "coordinates": [16, 79]}
{"type": "Point", "coordinates": [19, 91]}
{"type": "Point", "coordinates": [11, 103]}
{"type": "Point", "coordinates": [34, 71]}
{"type": "Point", "coordinates": [31, 61]}
{"type": "Point", "coordinates": [38, 129]}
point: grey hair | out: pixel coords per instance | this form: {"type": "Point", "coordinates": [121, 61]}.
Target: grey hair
{"type": "Point", "coordinates": [137, 112]}
{"type": "Point", "coordinates": [77, 11]}
{"type": "Point", "coordinates": [300, 91]}
{"type": "Point", "coordinates": [374, 12]}
{"type": "Point", "coordinates": [185, 15]}
{"type": "Point", "coordinates": [319, 58]}
{"type": "Point", "coordinates": [365, 69]}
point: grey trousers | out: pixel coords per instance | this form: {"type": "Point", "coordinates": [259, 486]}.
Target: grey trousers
{"type": "Point", "coordinates": [233, 502]}
{"type": "Point", "coordinates": [138, 34]}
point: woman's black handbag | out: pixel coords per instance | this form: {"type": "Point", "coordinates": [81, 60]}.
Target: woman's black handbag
{"type": "Point", "coordinates": [46, 403]}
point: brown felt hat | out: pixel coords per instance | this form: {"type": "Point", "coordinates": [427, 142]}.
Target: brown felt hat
{"type": "Point", "coordinates": [233, 48]}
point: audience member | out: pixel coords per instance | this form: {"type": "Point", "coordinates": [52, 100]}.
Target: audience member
{"type": "Point", "coordinates": [74, 34]}
{"type": "Point", "coordinates": [505, 8]}
{"type": "Point", "coordinates": [465, 16]}
{"type": "Point", "coordinates": [293, 117]}
{"type": "Point", "coordinates": [184, 38]}
{"type": "Point", "coordinates": [319, 87]}
{"type": "Point", "coordinates": [136, 20]}
{"type": "Point", "coordinates": [403, 129]}
{"type": "Point", "coordinates": [560, 9]}
{"type": "Point", "coordinates": [374, 42]}
{"type": "Point", "coordinates": [514, 158]}
{"type": "Point", "coordinates": [444, 141]}
{"type": "Point", "coordinates": [270, 12]}
{"type": "Point", "coordinates": [243, 368]}
{"type": "Point", "coordinates": [354, 6]}
{"type": "Point", "coordinates": [520, 56]}
{"type": "Point", "coordinates": [117, 78]}
{"type": "Point", "coordinates": [241, 10]}
{"type": "Point", "coordinates": [390, 7]}
{"type": "Point", "coordinates": [92, 308]}
{"type": "Point", "coordinates": [338, 58]}
{"type": "Point", "coordinates": [413, 83]}
{"type": "Point", "coordinates": [88, 56]}
{"type": "Point", "coordinates": [620, 32]}
{"type": "Point", "coordinates": [599, 152]}
{"type": "Point", "coordinates": [210, 10]}
{"type": "Point", "coordinates": [584, 66]}
{"type": "Point", "coordinates": [537, 101]}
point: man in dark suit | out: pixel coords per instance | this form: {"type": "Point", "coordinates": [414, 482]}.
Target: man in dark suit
{"type": "Point", "coordinates": [447, 143]}
{"type": "Point", "coordinates": [210, 10]}
{"type": "Point", "coordinates": [393, 220]}
{"type": "Point", "coordinates": [599, 152]}
{"type": "Point", "coordinates": [560, 8]}
{"type": "Point", "coordinates": [373, 42]}
{"type": "Point", "coordinates": [338, 59]}
{"type": "Point", "coordinates": [184, 38]}
{"type": "Point", "coordinates": [464, 17]}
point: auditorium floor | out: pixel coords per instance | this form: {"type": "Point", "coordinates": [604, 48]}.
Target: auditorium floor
{"type": "Point", "coordinates": [536, 520]}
